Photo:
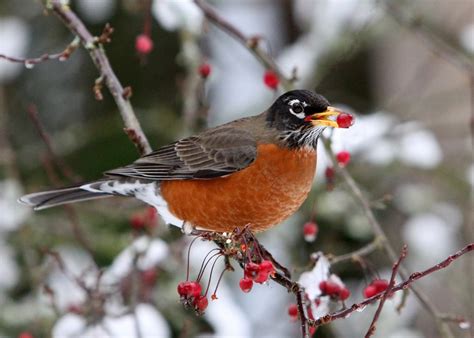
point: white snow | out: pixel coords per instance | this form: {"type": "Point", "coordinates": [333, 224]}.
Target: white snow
{"type": "Point", "coordinates": [466, 37]}
{"type": "Point", "coordinates": [14, 38]}
{"type": "Point", "coordinates": [182, 14]}
{"type": "Point", "coordinates": [310, 281]}
{"type": "Point", "coordinates": [78, 264]}
{"type": "Point", "coordinates": [151, 253]}
{"type": "Point", "coordinates": [12, 214]}
{"type": "Point", "coordinates": [147, 319]}
{"type": "Point", "coordinates": [429, 237]}
{"type": "Point", "coordinates": [419, 148]}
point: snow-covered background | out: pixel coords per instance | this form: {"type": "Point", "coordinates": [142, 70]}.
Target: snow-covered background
{"type": "Point", "coordinates": [411, 153]}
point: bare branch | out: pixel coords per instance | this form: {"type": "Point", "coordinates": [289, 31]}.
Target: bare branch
{"type": "Point", "coordinates": [94, 47]}
{"type": "Point", "coordinates": [62, 56]}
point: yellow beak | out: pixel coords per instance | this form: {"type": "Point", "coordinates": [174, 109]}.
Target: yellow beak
{"type": "Point", "coordinates": [322, 119]}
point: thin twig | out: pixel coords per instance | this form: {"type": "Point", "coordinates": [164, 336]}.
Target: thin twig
{"type": "Point", "coordinates": [62, 56]}
{"type": "Point", "coordinates": [365, 250]}
{"type": "Point", "coordinates": [94, 47]}
{"type": "Point", "coordinates": [386, 293]}
{"type": "Point", "coordinates": [53, 177]}
{"type": "Point", "coordinates": [60, 164]}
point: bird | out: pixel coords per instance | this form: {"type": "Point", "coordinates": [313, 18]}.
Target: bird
{"type": "Point", "coordinates": [252, 172]}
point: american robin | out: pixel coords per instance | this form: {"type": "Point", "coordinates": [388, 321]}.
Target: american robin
{"type": "Point", "coordinates": [255, 171]}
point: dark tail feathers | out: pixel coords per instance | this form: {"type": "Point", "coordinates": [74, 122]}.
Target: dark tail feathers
{"type": "Point", "coordinates": [52, 198]}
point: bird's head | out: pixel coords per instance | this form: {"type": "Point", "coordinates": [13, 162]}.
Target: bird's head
{"type": "Point", "coordinates": [300, 116]}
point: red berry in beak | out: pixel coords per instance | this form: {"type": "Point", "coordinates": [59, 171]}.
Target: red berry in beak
{"type": "Point", "coordinates": [344, 120]}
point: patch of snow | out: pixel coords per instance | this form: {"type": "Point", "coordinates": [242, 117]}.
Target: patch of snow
{"type": "Point", "coordinates": [429, 237]}
{"type": "Point", "coordinates": [182, 14]}
{"type": "Point", "coordinates": [419, 148]}
{"type": "Point", "coordinates": [8, 266]}
{"type": "Point", "coordinates": [151, 253]}
{"type": "Point", "coordinates": [14, 38]}
{"type": "Point", "coordinates": [78, 264]}
{"type": "Point", "coordinates": [12, 214]}
{"type": "Point", "coordinates": [146, 319]}
{"type": "Point", "coordinates": [466, 37]}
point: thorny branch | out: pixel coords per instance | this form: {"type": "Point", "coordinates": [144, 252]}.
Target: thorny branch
{"type": "Point", "coordinates": [95, 48]}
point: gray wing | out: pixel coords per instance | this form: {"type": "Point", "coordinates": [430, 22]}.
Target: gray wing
{"type": "Point", "coordinates": [214, 153]}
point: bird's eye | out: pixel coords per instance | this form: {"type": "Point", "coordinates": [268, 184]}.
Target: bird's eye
{"type": "Point", "coordinates": [297, 109]}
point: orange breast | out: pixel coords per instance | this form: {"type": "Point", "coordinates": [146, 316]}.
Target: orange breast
{"type": "Point", "coordinates": [262, 195]}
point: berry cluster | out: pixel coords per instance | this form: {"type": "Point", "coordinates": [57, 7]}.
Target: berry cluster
{"type": "Point", "coordinates": [257, 273]}
{"type": "Point", "coordinates": [190, 293]}
{"type": "Point", "coordinates": [334, 290]}
{"type": "Point", "coordinates": [141, 221]}
{"type": "Point", "coordinates": [375, 287]}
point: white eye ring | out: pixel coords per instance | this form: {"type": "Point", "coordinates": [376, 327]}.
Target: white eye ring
{"type": "Point", "coordinates": [299, 107]}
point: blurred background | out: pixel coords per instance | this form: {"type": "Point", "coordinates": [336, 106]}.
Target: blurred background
{"type": "Point", "coordinates": [398, 66]}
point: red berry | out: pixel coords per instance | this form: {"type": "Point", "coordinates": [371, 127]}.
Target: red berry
{"type": "Point", "coordinates": [310, 230]}
{"type": "Point", "coordinates": [344, 120]}
{"type": "Point", "coordinates": [74, 308]}
{"type": "Point", "coordinates": [25, 335]}
{"type": "Point", "coordinates": [149, 277]}
{"type": "Point", "coordinates": [204, 70]}
{"type": "Point", "coordinates": [137, 222]}
{"type": "Point", "coordinates": [343, 158]}
{"type": "Point", "coordinates": [293, 311]}
{"type": "Point", "coordinates": [246, 284]}
{"type": "Point", "coordinates": [370, 291]}
{"type": "Point", "coordinates": [151, 214]}
{"type": "Point", "coordinates": [329, 173]}
{"type": "Point", "coordinates": [262, 277]}
{"type": "Point", "coordinates": [380, 284]}
{"type": "Point", "coordinates": [271, 79]}
{"type": "Point", "coordinates": [184, 289]}
{"type": "Point", "coordinates": [201, 303]}
{"type": "Point", "coordinates": [251, 270]}
{"type": "Point", "coordinates": [323, 286]}
{"type": "Point", "coordinates": [195, 289]}
{"type": "Point", "coordinates": [266, 266]}
{"type": "Point", "coordinates": [143, 44]}
{"type": "Point", "coordinates": [344, 293]}
{"type": "Point", "coordinates": [332, 289]}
